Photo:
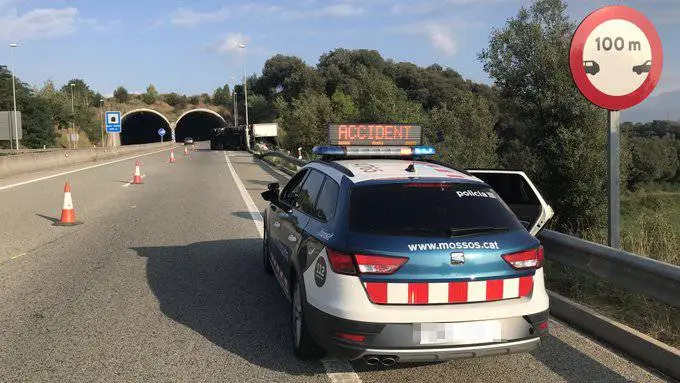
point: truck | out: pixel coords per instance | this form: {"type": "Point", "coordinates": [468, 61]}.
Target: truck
{"type": "Point", "coordinates": [264, 133]}
{"type": "Point", "coordinates": [229, 137]}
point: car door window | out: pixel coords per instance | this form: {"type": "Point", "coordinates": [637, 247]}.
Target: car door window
{"type": "Point", "coordinates": [290, 193]}
{"type": "Point", "coordinates": [328, 199]}
{"type": "Point", "coordinates": [309, 192]}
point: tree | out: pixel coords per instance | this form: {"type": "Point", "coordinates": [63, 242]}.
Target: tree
{"type": "Point", "coordinates": [82, 94]}
{"type": "Point", "coordinates": [259, 109]}
{"type": "Point", "coordinates": [194, 100]}
{"type": "Point", "coordinates": [467, 127]}
{"type": "Point", "coordinates": [304, 121]}
{"type": "Point", "coordinates": [288, 77]}
{"type": "Point", "coordinates": [560, 130]}
{"type": "Point", "coordinates": [121, 95]}
{"type": "Point", "coordinates": [151, 95]}
{"type": "Point", "coordinates": [176, 100]}
{"type": "Point", "coordinates": [37, 125]}
{"type": "Point", "coordinates": [222, 96]}
{"type": "Point", "coordinates": [654, 160]}
{"type": "Point", "coordinates": [380, 100]}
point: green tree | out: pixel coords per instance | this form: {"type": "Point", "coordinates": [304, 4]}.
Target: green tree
{"type": "Point", "coordinates": [344, 108]}
{"type": "Point", "coordinates": [151, 95]}
{"type": "Point", "coordinates": [259, 109]}
{"type": "Point", "coordinates": [380, 100]}
{"type": "Point", "coordinates": [222, 96]}
{"type": "Point", "coordinates": [176, 100]}
{"type": "Point", "coordinates": [194, 100]}
{"type": "Point", "coordinates": [654, 160]}
{"type": "Point", "coordinates": [288, 77]}
{"type": "Point", "coordinates": [467, 127]}
{"type": "Point", "coordinates": [38, 125]}
{"type": "Point", "coordinates": [560, 130]}
{"type": "Point", "coordinates": [121, 95]}
{"type": "Point", "coordinates": [304, 121]}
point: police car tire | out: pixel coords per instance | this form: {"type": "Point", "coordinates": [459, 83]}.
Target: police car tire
{"type": "Point", "coordinates": [305, 348]}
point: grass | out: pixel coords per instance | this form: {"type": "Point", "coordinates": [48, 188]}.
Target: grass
{"type": "Point", "coordinates": [650, 227]}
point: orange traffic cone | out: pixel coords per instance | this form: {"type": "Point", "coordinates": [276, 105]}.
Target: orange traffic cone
{"type": "Point", "coordinates": [172, 157]}
{"type": "Point", "coordinates": [68, 214]}
{"type": "Point", "coordinates": [186, 151]}
{"type": "Point", "coordinates": [137, 180]}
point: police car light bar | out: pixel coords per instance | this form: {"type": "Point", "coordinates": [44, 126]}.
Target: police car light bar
{"type": "Point", "coordinates": [374, 151]}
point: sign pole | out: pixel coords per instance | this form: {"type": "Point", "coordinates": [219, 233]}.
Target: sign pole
{"type": "Point", "coordinates": [614, 179]}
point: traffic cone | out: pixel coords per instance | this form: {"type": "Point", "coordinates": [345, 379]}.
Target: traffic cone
{"type": "Point", "coordinates": [186, 151]}
{"type": "Point", "coordinates": [172, 157]}
{"type": "Point", "coordinates": [137, 180]}
{"type": "Point", "coordinates": [68, 214]}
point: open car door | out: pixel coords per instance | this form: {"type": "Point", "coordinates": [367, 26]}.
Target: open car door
{"type": "Point", "coordinates": [520, 194]}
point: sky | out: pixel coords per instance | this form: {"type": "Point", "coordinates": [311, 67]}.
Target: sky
{"type": "Point", "coordinates": [191, 46]}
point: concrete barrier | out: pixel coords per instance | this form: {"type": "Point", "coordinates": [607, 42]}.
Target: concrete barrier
{"type": "Point", "coordinates": [31, 162]}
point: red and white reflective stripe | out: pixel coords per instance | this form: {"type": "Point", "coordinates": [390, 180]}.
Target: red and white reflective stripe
{"type": "Point", "coordinates": [422, 293]}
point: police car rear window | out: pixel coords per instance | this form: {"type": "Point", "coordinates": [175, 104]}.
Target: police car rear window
{"type": "Point", "coordinates": [427, 209]}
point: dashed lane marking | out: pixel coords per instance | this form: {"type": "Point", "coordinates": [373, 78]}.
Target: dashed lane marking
{"type": "Point", "coordinates": [17, 256]}
{"type": "Point", "coordinates": [338, 371]}
{"type": "Point", "coordinates": [79, 170]}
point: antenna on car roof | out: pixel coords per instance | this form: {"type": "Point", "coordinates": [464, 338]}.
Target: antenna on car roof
{"type": "Point", "coordinates": [411, 167]}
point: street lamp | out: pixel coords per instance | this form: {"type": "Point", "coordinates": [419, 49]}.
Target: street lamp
{"type": "Point", "coordinates": [235, 103]}
{"type": "Point", "coordinates": [73, 116]}
{"type": "Point", "coordinates": [14, 95]}
{"type": "Point", "coordinates": [101, 118]}
{"type": "Point", "coordinates": [245, 83]}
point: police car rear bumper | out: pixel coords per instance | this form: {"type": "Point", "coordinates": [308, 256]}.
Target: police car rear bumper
{"type": "Point", "coordinates": [396, 341]}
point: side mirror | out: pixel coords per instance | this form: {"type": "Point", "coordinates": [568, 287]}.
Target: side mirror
{"type": "Point", "coordinates": [270, 195]}
{"type": "Point", "coordinates": [273, 186]}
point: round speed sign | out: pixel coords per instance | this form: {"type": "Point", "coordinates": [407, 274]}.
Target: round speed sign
{"type": "Point", "coordinates": [616, 57]}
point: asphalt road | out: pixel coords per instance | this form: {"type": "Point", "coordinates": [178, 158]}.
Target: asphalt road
{"type": "Point", "coordinates": [163, 282]}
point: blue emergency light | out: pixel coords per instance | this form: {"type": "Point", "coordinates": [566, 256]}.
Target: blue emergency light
{"type": "Point", "coordinates": [374, 151]}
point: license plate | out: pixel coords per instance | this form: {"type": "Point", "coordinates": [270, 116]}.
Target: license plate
{"type": "Point", "coordinates": [462, 333]}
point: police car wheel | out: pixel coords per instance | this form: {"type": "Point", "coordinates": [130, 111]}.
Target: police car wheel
{"type": "Point", "coordinates": [266, 261]}
{"type": "Point", "coordinates": [303, 344]}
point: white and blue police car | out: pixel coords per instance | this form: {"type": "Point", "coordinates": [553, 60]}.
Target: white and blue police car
{"type": "Point", "coordinates": [389, 256]}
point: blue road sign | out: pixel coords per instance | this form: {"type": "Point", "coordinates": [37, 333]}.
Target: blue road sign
{"type": "Point", "coordinates": [113, 124]}
{"type": "Point", "coordinates": [161, 132]}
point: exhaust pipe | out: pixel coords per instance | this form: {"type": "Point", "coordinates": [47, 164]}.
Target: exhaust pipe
{"type": "Point", "coordinates": [388, 361]}
{"type": "Point", "coordinates": [371, 360]}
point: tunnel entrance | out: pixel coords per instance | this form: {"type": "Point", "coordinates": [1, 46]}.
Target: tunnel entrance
{"type": "Point", "coordinates": [198, 124]}
{"type": "Point", "coordinates": [141, 127]}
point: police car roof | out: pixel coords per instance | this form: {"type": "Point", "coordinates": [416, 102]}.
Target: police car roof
{"type": "Point", "coordinates": [390, 169]}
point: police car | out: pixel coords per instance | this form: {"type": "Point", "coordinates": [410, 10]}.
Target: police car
{"type": "Point", "coordinates": [389, 256]}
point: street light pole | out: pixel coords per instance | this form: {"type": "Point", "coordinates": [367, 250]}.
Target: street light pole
{"type": "Point", "coordinates": [101, 118]}
{"type": "Point", "coordinates": [14, 95]}
{"type": "Point", "coordinates": [233, 92]}
{"type": "Point", "coordinates": [245, 90]}
{"type": "Point", "coordinates": [73, 116]}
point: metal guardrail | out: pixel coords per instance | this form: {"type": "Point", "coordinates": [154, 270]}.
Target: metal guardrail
{"type": "Point", "coordinates": [653, 279]}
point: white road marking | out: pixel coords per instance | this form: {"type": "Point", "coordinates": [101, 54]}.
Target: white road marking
{"type": "Point", "coordinates": [130, 183]}
{"type": "Point", "coordinates": [17, 256]}
{"type": "Point", "coordinates": [338, 371]}
{"type": "Point", "coordinates": [78, 170]}
{"type": "Point", "coordinates": [252, 209]}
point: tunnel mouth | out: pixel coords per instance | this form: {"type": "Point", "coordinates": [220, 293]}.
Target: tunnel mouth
{"type": "Point", "coordinates": [141, 127]}
{"type": "Point", "coordinates": [198, 124]}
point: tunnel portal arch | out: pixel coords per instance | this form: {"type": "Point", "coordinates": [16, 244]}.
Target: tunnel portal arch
{"type": "Point", "coordinates": [140, 126]}
{"type": "Point", "coordinates": [198, 124]}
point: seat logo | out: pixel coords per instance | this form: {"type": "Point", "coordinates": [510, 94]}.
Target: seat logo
{"type": "Point", "coordinates": [320, 272]}
{"type": "Point", "coordinates": [457, 258]}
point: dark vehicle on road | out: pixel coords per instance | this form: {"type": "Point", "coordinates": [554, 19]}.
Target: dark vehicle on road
{"type": "Point", "coordinates": [388, 256]}
{"type": "Point", "coordinates": [643, 68]}
{"type": "Point", "coordinates": [591, 67]}
{"type": "Point", "coordinates": [227, 138]}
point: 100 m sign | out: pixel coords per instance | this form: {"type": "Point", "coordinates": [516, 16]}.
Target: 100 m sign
{"type": "Point", "coordinates": [618, 43]}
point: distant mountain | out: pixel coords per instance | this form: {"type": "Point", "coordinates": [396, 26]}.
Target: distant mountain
{"type": "Point", "coordinates": [665, 106]}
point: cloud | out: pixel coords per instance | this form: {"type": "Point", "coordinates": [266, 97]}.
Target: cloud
{"type": "Point", "coordinates": [229, 43]}
{"type": "Point", "coordinates": [38, 24]}
{"type": "Point", "coordinates": [442, 39]}
{"type": "Point", "coordinates": [188, 18]}
{"type": "Point", "coordinates": [340, 10]}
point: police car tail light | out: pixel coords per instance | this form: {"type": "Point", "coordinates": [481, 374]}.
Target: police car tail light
{"type": "Point", "coordinates": [341, 263]}
{"type": "Point", "coordinates": [377, 264]}
{"type": "Point", "coordinates": [527, 259]}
